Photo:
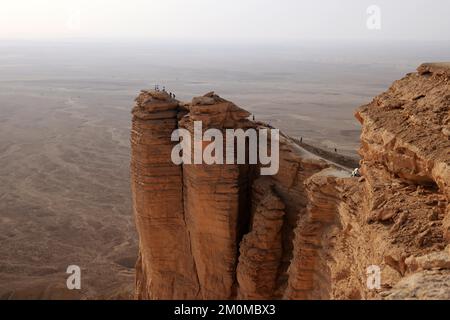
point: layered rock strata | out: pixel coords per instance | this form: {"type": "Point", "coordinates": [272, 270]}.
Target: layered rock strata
{"type": "Point", "coordinates": [311, 231]}
{"type": "Point", "coordinates": [165, 269]}
{"type": "Point", "coordinates": [216, 201]}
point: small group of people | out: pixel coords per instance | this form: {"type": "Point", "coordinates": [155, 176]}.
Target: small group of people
{"type": "Point", "coordinates": [172, 95]}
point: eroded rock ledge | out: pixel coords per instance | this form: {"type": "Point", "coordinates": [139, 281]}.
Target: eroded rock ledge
{"type": "Point", "coordinates": [312, 230]}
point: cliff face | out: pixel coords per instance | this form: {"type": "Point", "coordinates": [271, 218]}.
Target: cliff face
{"type": "Point", "coordinates": [311, 231]}
{"type": "Point", "coordinates": [215, 202]}
{"type": "Point", "coordinates": [165, 269]}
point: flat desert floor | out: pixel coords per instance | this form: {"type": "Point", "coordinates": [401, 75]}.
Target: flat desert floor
{"type": "Point", "coordinates": [64, 140]}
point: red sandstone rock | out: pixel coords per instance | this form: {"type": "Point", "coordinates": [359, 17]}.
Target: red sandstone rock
{"type": "Point", "coordinates": [165, 269]}
{"type": "Point", "coordinates": [261, 248]}
{"type": "Point", "coordinates": [311, 231]}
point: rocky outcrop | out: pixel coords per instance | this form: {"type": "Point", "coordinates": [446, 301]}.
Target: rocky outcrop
{"type": "Point", "coordinates": [429, 278]}
{"type": "Point", "coordinates": [261, 248]}
{"type": "Point", "coordinates": [165, 269]}
{"type": "Point", "coordinates": [309, 273]}
{"type": "Point", "coordinates": [398, 209]}
{"type": "Point", "coordinates": [216, 201]}
{"type": "Point", "coordinates": [407, 130]}
{"type": "Point", "coordinates": [312, 231]}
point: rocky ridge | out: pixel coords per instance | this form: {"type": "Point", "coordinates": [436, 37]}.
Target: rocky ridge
{"type": "Point", "coordinates": [311, 231]}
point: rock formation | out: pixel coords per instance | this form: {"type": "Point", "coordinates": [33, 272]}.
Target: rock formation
{"type": "Point", "coordinates": [311, 231]}
{"type": "Point", "coordinates": [215, 202]}
{"type": "Point", "coordinates": [165, 268]}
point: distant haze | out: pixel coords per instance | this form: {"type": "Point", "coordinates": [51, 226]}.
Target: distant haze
{"type": "Point", "coordinates": [224, 21]}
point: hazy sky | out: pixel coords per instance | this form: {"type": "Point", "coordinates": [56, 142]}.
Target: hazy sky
{"type": "Point", "coordinates": [224, 20]}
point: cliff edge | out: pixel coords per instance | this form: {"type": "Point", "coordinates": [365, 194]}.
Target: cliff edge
{"type": "Point", "coordinates": [311, 231]}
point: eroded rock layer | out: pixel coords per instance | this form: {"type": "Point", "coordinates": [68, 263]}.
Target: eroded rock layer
{"type": "Point", "coordinates": [261, 248]}
{"type": "Point", "coordinates": [312, 231]}
{"type": "Point", "coordinates": [216, 201]}
{"type": "Point", "coordinates": [165, 269]}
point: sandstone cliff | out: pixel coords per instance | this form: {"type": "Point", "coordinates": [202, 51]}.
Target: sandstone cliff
{"type": "Point", "coordinates": [311, 231]}
{"type": "Point", "coordinates": [165, 269]}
